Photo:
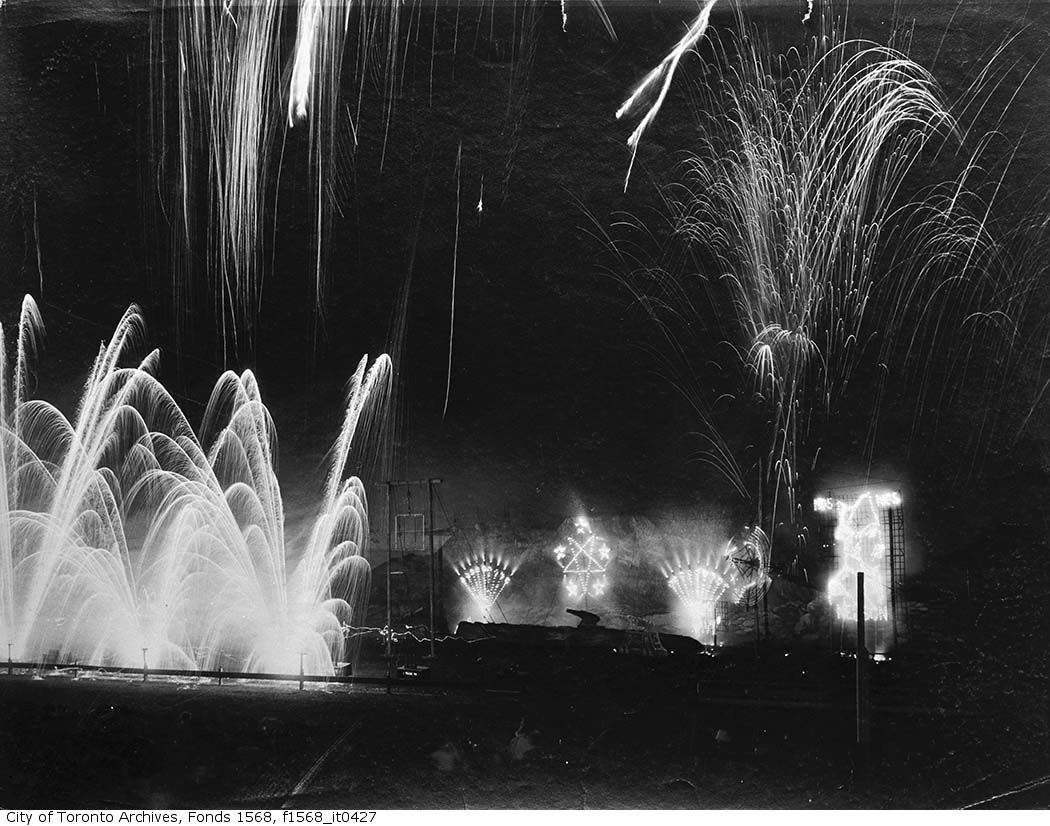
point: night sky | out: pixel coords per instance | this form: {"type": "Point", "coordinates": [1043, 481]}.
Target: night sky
{"type": "Point", "coordinates": [556, 400]}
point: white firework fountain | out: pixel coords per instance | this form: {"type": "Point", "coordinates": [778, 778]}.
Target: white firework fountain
{"type": "Point", "coordinates": [124, 536]}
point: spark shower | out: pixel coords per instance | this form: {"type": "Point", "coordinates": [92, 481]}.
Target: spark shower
{"type": "Point", "coordinates": [796, 263]}
{"type": "Point", "coordinates": [230, 95]}
{"type": "Point", "coordinates": [124, 534]}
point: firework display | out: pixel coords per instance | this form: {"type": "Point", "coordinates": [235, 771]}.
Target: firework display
{"type": "Point", "coordinates": [485, 579]}
{"type": "Point", "coordinates": [703, 584]}
{"type": "Point", "coordinates": [231, 94]}
{"type": "Point", "coordinates": [748, 553]}
{"type": "Point", "coordinates": [583, 558]}
{"type": "Point", "coordinates": [685, 306]}
{"type": "Point", "coordinates": [862, 544]}
{"type": "Point", "coordinates": [123, 530]}
{"type": "Point", "coordinates": [790, 251]}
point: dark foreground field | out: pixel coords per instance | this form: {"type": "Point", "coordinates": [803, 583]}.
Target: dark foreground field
{"type": "Point", "coordinates": [564, 729]}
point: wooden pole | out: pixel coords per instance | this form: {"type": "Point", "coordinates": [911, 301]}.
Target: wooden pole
{"type": "Point", "coordinates": [758, 630]}
{"type": "Point", "coordinates": [389, 562]}
{"type": "Point", "coordinates": [433, 577]}
{"type": "Point", "coordinates": [863, 720]}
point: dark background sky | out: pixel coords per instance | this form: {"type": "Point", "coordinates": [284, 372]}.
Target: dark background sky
{"type": "Point", "coordinates": [555, 401]}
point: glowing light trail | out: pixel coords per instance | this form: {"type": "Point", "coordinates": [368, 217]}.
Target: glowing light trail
{"type": "Point", "coordinates": [663, 72]}
{"type": "Point", "coordinates": [224, 99]}
{"type": "Point", "coordinates": [302, 68]}
{"type": "Point", "coordinates": [748, 553]}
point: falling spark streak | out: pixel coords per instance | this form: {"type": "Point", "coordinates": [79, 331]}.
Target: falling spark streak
{"type": "Point", "coordinates": [302, 68]}
{"type": "Point", "coordinates": [228, 76]}
{"type": "Point", "coordinates": [232, 120]}
{"type": "Point", "coordinates": [665, 71]}
{"type": "Point", "coordinates": [809, 11]}
{"type": "Point", "coordinates": [455, 259]}
{"type": "Point", "coordinates": [36, 233]}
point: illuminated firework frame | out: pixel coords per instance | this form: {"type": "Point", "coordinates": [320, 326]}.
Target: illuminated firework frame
{"type": "Point", "coordinates": [583, 559]}
{"type": "Point", "coordinates": [868, 538]}
{"type": "Point", "coordinates": [701, 589]}
{"type": "Point", "coordinates": [485, 579]}
{"type": "Point", "coordinates": [748, 552]}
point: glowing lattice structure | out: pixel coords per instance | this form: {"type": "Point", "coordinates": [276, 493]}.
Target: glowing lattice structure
{"type": "Point", "coordinates": [583, 558]}
{"type": "Point", "coordinates": [701, 584]}
{"type": "Point", "coordinates": [748, 553]}
{"type": "Point", "coordinates": [485, 579]}
{"type": "Point", "coordinates": [862, 543]}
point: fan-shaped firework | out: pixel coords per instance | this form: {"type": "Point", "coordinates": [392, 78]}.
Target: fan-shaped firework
{"type": "Point", "coordinates": [704, 583]}
{"type": "Point", "coordinates": [583, 558]}
{"type": "Point", "coordinates": [121, 531]}
{"type": "Point", "coordinates": [485, 578]}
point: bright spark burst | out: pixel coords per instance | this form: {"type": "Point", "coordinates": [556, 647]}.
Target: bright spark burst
{"type": "Point", "coordinates": [795, 252]}
{"type": "Point", "coordinates": [583, 558]}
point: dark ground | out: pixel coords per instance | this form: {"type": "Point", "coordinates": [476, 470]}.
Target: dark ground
{"type": "Point", "coordinates": [557, 727]}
